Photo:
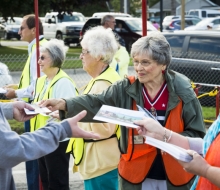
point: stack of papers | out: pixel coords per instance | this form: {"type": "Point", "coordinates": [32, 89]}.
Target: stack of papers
{"type": "Point", "coordinates": [119, 116]}
{"type": "Point", "coordinates": [175, 151]}
{"type": "Point", "coordinates": [127, 117]}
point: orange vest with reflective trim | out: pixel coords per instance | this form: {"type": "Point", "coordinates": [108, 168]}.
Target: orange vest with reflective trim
{"type": "Point", "coordinates": [136, 163]}
{"type": "Point", "coordinates": [212, 157]}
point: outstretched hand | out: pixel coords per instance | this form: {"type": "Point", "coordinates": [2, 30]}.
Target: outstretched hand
{"type": "Point", "coordinates": [19, 113]}
{"type": "Point", "coordinates": [53, 104]}
{"type": "Point", "coordinates": [78, 132]}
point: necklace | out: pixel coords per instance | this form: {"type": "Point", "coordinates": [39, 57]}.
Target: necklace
{"type": "Point", "coordinates": [153, 110]}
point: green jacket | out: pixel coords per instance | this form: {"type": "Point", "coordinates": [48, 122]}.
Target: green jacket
{"type": "Point", "coordinates": [121, 93]}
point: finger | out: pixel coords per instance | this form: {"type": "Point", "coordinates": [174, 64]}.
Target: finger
{"type": "Point", "coordinates": [80, 115]}
{"type": "Point", "coordinates": [191, 152]}
{"type": "Point", "coordinates": [28, 106]}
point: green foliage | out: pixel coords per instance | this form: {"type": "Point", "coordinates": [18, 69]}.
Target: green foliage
{"type": "Point", "coordinates": [16, 126]}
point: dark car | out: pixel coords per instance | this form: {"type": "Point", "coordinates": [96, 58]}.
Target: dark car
{"type": "Point", "coordinates": [12, 26]}
{"type": "Point", "coordinates": [130, 29]}
{"type": "Point", "coordinates": [201, 63]}
{"type": "Point", "coordinates": [194, 42]}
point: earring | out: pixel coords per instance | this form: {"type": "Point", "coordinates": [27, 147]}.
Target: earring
{"type": "Point", "coordinates": [163, 72]}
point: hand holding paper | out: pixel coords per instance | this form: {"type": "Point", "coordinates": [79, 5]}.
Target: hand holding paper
{"type": "Point", "coordinates": [37, 110]}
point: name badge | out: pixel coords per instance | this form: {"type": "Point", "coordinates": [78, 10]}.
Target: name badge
{"type": "Point", "coordinates": [138, 139]}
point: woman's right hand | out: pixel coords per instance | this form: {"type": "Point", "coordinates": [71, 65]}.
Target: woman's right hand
{"type": "Point", "coordinates": [150, 127]}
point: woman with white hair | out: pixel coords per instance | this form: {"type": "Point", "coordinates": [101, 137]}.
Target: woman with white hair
{"type": "Point", "coordinates": [54, 167]}
{"type": "Point", "coordinates": [168, 95]}
{"type": "Point", "coordinates": [97, 160]}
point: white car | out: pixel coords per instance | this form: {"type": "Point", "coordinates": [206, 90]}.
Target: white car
{"type": "Point", "coordinates": [5, 77]}
{"type": "Point", "coordinates": [203, 24]}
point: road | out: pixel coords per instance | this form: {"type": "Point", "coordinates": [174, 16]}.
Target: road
{"type": "Point", "coordinates": [76, 183]}
{"type": "Point", "coordinates": [14, 43]}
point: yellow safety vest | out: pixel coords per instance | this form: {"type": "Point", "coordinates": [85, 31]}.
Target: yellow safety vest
{"type": "Point", "coordinates": [25, 76]}
{"type": "Point", "coordinates": [76, 145]}
{"type": "Point", "coordinates": [40, 120]}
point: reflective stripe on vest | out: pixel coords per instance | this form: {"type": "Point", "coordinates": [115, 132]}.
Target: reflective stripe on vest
{"type": "Point", "coordinates": [25, 76]}
{"type": "Point", "coordinates": [76, 145]}
{"type": "Point", "coordinates": [212, 157]}
{"type": "Point", "coordinates": [40, 120]}
{"type": "Point", "coordinates": [143, 155]}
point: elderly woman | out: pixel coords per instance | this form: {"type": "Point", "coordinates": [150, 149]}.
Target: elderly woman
{"type": "Point", "coordinates": [97, 166]}
{"type": "Point", "coordinates": [165, 93]}
{"type": "Point", "coordinates": [54, 167]}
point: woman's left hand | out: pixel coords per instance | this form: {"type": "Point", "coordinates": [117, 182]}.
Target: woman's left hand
{"type": "Point", "coordinates": [197, 166]}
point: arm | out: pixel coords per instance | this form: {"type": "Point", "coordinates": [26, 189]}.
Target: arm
{"type": "Point", "coordinates": [15, 149]}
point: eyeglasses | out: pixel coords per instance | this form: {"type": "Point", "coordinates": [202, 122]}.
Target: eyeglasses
{"type": "Point", "coordinates": [144, 63]}
{"type": "Point", "coordinates": [42, 58]}
{"type": "Point", "coordinates": [84, 51]}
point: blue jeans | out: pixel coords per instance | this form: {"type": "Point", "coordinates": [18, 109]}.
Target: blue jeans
{"type": "Point", "coordinates": [32, 171]}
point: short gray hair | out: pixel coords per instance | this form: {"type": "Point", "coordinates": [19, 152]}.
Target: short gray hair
{"type": "Point", "coordinates": [57, 51]}
{"type": "Point", "coordinates": [106, 18]}
{"type": "Point", "coordinates": [100, 42]}
{"type": "Point", "coordinates": [154, 45]}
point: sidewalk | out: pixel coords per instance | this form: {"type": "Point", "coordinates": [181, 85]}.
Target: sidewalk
{"type": "Point", "coordinates": [20, 177]}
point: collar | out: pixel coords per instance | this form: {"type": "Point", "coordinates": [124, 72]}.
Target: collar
{"type": "Point", "coordinates": [33, 42]}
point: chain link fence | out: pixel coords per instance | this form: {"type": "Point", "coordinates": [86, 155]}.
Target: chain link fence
{"type": "Point", "coordinates": [203, 69]}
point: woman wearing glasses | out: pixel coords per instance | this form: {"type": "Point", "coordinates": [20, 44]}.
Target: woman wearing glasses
{"type": "Point", "coordinates": [168, 95]}
{"type": "Point", "coordinates": [54, 167]}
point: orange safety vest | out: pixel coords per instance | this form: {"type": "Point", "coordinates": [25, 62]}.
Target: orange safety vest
{"type": "Point", "coordinates": [212, 157]}
{"type": "Point", "coordinates": [136, 163]}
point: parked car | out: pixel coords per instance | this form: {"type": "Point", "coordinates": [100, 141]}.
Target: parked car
{"type": "Point", "coordinates": [12, 26]}
{"type": "Point", "coordinates": [197, 56]}
{"type": "Point", "coordinates": [115, 14]}
{"type": "Point", "coordinates": [203, 13]}
{"type": "Point", "coordinates": [202, 25]}
{"type": "Point", "coordinates": [130, 29]}
{"type": "Point", "coordinates": [63, 26]}
{"type": "Point", "coordinates": [175, 24]}
{"type": "Point", "coordinates": [2, 31]}
{"type": "Point", "coordinates": [203, 42]}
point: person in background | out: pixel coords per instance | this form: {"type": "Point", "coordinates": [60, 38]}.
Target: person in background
{"type": "Point", "coordinates": [205, 152]}
{"type": "Point", "coordinates": [165, 93]}
{"type": "Point", "coordinates": [108, 21]}
{"type": "Point", "coordinates": [16, 148]}
{"type": "Point", "coordinates": [121, 59]}
{"type": "Point", "coordinates": [156, 25]}
{"type": "Point", "coordinates": [24, 90]}
{"type": "Point", "coordinates": [54, 167]}
{"type": "Point", "coordinates": [97, 166]}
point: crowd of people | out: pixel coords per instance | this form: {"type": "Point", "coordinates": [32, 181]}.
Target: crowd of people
{"type": "Point", "coordinates": [107, 156]}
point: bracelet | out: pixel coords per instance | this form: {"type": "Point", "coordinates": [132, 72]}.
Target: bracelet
{"type": "Point", "coordinates": [171, 132]}
{"type": "Point", "coordinates": [165, 137]}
